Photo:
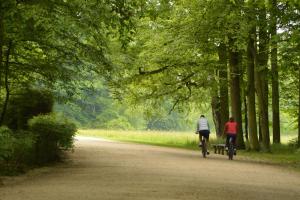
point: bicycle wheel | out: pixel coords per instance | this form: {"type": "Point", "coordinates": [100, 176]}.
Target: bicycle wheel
{"type": "Point", "coordinates": [204, 148]}
{"type": "Point", "coordinates": [230, 150]}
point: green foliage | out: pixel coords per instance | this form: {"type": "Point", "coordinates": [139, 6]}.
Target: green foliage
{"type": "Point", "coordinates": [6, 144]}
{"type": "Point", "coordinates": [24, 148]}
{"type": "Point", "coordinates": [98, 109]}
{"type": "Point", "coordinates": [174, 55]}
{"type": "Point", "coordinates": [294, 143]}
{"type": "Point", "coordinates": [16, 150]}
{"type": "Point", "coordinates": [120, 123]}
{"type": "Point", "coordinates": [48, 135]}
{"type": "Point", "coordinates": [26, 104]}
{"type": "Point", "coordinates": [157, 55]}
{"type": "Point", "coordinates": [165, 61]}
{"type": "Point", "coordinates": [53, 134]}
{"type": "Point", "coordinates": [58, 45]}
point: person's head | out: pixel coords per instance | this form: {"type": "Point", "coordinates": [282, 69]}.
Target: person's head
{"type": "Point", "coordinates": [202, 116]}
{"type": "Point", "coordinates": [231, 119]}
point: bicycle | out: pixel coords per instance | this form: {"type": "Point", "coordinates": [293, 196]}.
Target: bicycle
{"type": "Point", "coordinates": [230, 149]}
{"type": "Point", "coordinates": [204, 147]}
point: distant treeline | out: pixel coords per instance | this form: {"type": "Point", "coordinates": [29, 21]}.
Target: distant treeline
{"type": "Point", "coordinates": [97, 109]}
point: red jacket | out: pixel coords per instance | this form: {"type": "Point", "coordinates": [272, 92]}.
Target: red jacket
{"type": "Point", "coordinates": [231, 128]}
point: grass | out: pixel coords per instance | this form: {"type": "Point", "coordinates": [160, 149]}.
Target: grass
{"type": "Point", "coordinates": [170, 139]}
{"type": "Point", "coordinates": [284, 154]}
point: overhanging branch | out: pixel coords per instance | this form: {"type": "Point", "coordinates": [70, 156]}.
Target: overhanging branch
{"type": "Point", "coordinates": [142, 72]}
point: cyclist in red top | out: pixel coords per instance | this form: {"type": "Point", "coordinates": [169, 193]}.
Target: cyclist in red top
{"type": "Point", "coordinates": [231, 130]}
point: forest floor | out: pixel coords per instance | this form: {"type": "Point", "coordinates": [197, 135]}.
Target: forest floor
{"type": "Point", "coordinates": [102, 169]}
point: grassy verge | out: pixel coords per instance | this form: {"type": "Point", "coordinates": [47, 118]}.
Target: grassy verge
{"type": "Point", "coordinates": [280, 154]}
{"type": "Point", "coordinates": [283, 155]}
{"type": "Point", "coordinates": [170, 139]}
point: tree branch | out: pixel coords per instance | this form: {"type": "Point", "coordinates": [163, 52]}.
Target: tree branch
{"type": "Point", "coordinates": [142, 72]}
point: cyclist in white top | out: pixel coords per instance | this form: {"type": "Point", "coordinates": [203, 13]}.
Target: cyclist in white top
{"type": "Point", "coordinates": [203, 129]}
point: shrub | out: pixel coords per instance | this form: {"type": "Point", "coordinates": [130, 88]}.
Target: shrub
{"type": "Point", "coordinates": [16, 151]}
{"type": "Point", "coordinates": [25, 105]}
{"type": "Point", "coordinates": [53, 134]}
{"type": "Point", "coordinates": [6, 144]}
{"type": "Point", "coordinates": [24, 148]}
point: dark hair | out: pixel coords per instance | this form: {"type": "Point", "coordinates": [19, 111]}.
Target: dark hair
{"type": "Point", "coordinates": [202, 116]}
{"type": "Point", "coordinates": [231, 119]}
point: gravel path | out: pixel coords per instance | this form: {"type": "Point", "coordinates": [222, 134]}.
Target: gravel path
{"type": "Point", "coordinates": [106, 170]}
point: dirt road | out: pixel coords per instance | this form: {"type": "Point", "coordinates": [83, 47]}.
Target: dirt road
{"type": "Point", "coordinates": [105, 170]}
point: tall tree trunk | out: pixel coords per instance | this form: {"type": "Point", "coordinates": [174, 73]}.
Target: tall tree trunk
{"type": "Point", "coordinates": [259, 130]}
{"type": "Point", "coordinates": [235, 93]}
{"type": "Point", "coordinates": [262, 79]}
{"type": "Point", "coordinates": [299, 107]}
{"type": "Point", "coordinates": [251, 52]}
{"type": "Point", "coordinates": [7, 93]}
{"type": "Point", "coordinates": [243, 98]}
{"type": "Point", "coordinates": [246, 118]}
{"type": "Point", "coordinates": [1, 41]}
{"type": "Point", "coordinates": [223, 86]}
{"type": "Point", "coordinates": [274, 66]}
{"type": "Point", "coordinates": [215, 105]}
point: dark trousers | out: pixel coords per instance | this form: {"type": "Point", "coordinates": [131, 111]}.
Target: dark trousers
{"type": "Point", "coordinates": [204, 133]}
{"type": "Point", "coordinates": [233, 136]}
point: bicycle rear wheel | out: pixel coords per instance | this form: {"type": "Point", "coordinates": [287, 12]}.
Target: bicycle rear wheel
{"type": "Point", "coordinates": [204, 148]}
{"type": "Point", "coordinates": [230, 151]}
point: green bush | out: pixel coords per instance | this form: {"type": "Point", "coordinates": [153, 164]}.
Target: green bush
{"type": "Point", "coordinates": [24, 148]}
{"type": "Point", "coordinates": [16, 151]}
{"type": "Point", "coordinates": [6, 144]}
{"type": "Point", "coordinates": [53, 135]}
{"type": "Point", "coordinates": [26, 104]}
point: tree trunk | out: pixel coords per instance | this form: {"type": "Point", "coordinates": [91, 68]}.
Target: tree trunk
{"type": "Point", "coordinates": [223, 85]}
{"type": "Point", "coordinates": [251, 52]}
{"type": "Point", "coordinates": [299, 107]}
{"type": "Point", "coordinates": [262, 79]}
{"type": "Point", "coordinates": [243, 99]}
{"type": "Point", "coordinates": [224, 107]}
{"type": "Point", "coordinates": [7, 93]}
{"type": "Point", "coordinates": [246, 118]}
{"type": "Point", "coordinates": [235, 94]}
{"type": "Point", "coordinates": [215, 105]}
{"type": "Point", "coordinates": [259, 130]}
{"type": "Point", "coordinates": [1, 42]}
{"type": "Point", "coordinates": [274, 66]}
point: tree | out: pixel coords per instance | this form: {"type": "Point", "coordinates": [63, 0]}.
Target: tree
{"type": "Point", "coordinates": [288, 49]}
{"type": "Point", "coordinates": [186, 54]}
{"type": "Point", "coordinates": [165, 67]}
{"type": "Point", "coordinates": [274, 69]}
{"type": "Point", "coordinates": [58, 44]}
{"type": "Point", "coordinates": [262, 78]}
{"type": "Point", "coordinates": [182, 50]}
{"type": "Point", "coordinates": [299, 107]}
{"type": "Point", "coordinates": [223, 85]}
{"type": "Point", "coordinates": [235, 93]}
{"type": "Point", "coordinates": [251, 53]}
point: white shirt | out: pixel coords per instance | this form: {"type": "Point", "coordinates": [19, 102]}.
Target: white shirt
{"type": "Point", "coordinates": [202, 124]}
